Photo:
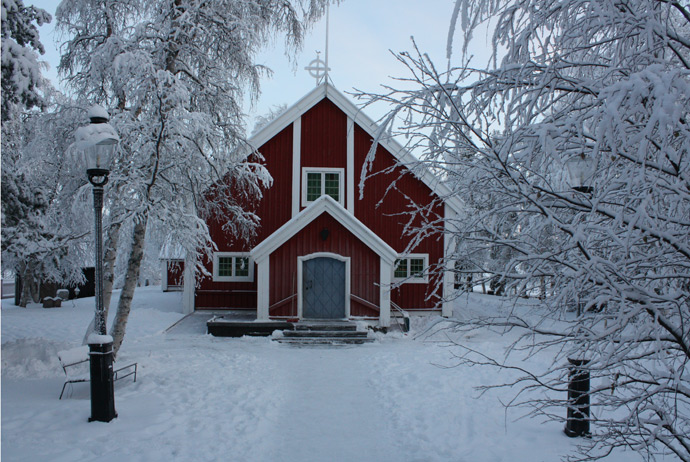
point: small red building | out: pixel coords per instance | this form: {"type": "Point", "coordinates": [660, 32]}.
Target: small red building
{"type": "Point", "coordinates": [172, 272]}
{"type": "Point", "coordinates": [324, 250]}
{"type": "Point", "coordinates": [172, 259]}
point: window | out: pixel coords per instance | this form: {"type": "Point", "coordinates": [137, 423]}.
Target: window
{"type": "Point", "coordinates": [232, 266]}
{"type": "Point", "coordinates": [411, 269]}
{"type": "Point", "coordinates": [317, 182]}
{"type": "Point", "coordinates": [241, 266]}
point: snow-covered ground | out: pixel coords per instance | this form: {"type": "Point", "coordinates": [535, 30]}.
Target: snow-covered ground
{"type": "Point", "coordinates": [202, 398]}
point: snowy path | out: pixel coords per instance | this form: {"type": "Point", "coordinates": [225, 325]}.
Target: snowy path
{"type": "Point", "coordinates": [328, 400]}
{"type": "Point", "coordinates": [202, 398]}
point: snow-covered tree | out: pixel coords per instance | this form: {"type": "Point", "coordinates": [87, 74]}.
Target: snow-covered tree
{"type": "Point", "coordinates": [34, 243]}
{"type": "Point", "coordinates": [173, 74]}
{"type": "Point", "coordinates": [603, 86]}
{"type": "Point", "coordinates": [262, 120]}
{"type": "Point", "coordinates": [21, 71]}
{"type": "Point", "coordinates": [23, 210]}
{"type": "Point", "coordinates": [42, 235]}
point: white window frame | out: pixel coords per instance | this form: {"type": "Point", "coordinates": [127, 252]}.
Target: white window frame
{"type": "Point", "coordinates": [409, 279]}
{"type": "Point", "coordinates": [323, 171]}
{"type": "Point", "coordinates": [216, 267]}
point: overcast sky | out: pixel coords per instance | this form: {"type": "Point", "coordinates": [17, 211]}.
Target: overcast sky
{"type": "Point", "coordinates": [361, 33]}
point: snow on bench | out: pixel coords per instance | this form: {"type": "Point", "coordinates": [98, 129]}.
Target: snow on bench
{"type": "Point", "coordinates": [75, 363]}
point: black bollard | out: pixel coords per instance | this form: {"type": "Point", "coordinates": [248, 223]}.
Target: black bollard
{"type": "Point", "coordinates": [577, 423]}
{"type": "Point", "coordinates": [102, 386]}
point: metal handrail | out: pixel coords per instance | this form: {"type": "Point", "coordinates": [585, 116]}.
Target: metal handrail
{"type": "Point", "coordinates": [405, 326]}
{"type": "Point", "coordinates": [282, 302]}
{"type": "Point", "coordinates": [364, 302]}
{"type": "Point", "coordinates": [234, 291]}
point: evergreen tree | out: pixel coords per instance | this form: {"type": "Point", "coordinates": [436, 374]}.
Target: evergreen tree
{"type": "Point", "coordinates": [21, 72]}
{"type": "Point", "coordinates": [24, 202]}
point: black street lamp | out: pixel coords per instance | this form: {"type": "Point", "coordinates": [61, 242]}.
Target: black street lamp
{"type": "Point", "coordinates": [580, 170]}
{"type": "Point", "coordinates": [577, 421]}
{"type": "Point", "coordinates": [96, 143]}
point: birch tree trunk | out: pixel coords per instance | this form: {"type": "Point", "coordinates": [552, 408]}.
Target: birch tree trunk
{"type": "Point", "coordinates": [109, 258]}
{"type": "Point", "coordinates": [131, 280]}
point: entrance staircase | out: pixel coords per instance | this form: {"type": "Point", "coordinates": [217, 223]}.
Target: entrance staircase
{"type": "Point", "coordinates": [324, 332]}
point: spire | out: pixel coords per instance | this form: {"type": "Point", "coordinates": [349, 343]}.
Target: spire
{"type": "Point", "coordinates": [318, 68]}
{"type": "Point", "coordinates": [328, 10]}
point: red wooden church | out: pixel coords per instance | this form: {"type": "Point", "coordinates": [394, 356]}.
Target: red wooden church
{"type": "Point", "coordinates": [322, 251]}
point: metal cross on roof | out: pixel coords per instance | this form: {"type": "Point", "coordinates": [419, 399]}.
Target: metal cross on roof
{"type": "Point", "coordinates": [318, 69]}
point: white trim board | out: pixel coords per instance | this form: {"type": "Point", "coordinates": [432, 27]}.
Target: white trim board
{"type": "Point", "coordinates": [296, 163]}
{"type": "Point", "coordinates": [309, 214]}
{"type": "Point", "coordinates": [164, 275]}
{"type": "Point", "coordinates": [385, 274]}
{"type": "Point", "coordinates": [449, 244]}
{"type": "Point", "coordinates": [350, 167]}
{"type": "Point", "coordinates": [326, 90]}
{"type": "Point", "coordinates": [262, 289]}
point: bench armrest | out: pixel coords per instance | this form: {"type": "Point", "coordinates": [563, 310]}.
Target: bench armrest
{"type": "Point", "coordinates": [130, 369]}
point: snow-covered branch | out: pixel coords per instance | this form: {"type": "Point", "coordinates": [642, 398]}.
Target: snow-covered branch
{"type": "Point", "coordinates": [608, 83]}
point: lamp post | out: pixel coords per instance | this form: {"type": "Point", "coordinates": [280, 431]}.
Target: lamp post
{"type": "Point", "coordinates": [96, 143]}
{"type": "Point", "coordinates": [580, 171]}
{"type": "Point", "coordinates": [578, 417]}
{"type": "Point", "coordinates": [577, 421]}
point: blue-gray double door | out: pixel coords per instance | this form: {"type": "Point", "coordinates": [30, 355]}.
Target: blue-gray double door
{"type": "Point", "coordinates": [323, 288]}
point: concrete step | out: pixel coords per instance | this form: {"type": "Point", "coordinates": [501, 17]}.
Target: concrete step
{"type": "Point", "coordinates": [326, 326]}
{"type": "Point", "coordinates": [323, 340]}
{"type": "Point", "coordinates": [324, 333]}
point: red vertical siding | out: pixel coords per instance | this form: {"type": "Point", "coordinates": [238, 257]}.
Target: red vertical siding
{"type": "Point", "coordinates": [324, 144]}
{"type": "Point", "coordinates": [274, 210]}
{"type": "Point", "coordinates": [389, 217]}
{"type": "Point", "coordinates": [175, 270]}
{"type": "Point", "coordinates": [324, 135]}
{"type": "Point", "coordinates": [225, 295]}
{"type": "Point", "coordinates": [364, 265]}
{"type": "Point", "coordinates": [324, 140]}
{"type": "Point", "coordinates": [225, 298]}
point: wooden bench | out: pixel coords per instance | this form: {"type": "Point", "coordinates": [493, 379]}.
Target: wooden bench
{"type": "Point", "coordinates": [75, 363]}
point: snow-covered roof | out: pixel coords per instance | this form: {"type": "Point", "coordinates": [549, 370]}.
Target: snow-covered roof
{"type": "Point", "coordinates": [402, 155]}
{"type": "Point", "coordinates": [171, 251]}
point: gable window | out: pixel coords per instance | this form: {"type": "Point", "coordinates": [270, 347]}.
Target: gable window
{"type": "Point", "coordinates": [232, 267]}
{"type": "Point", "coordinates": [411, 269]}
{"type": "Point", "coordinates": [317, 182]}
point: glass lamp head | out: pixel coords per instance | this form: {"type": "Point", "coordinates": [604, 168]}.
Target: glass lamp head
{"type": "Point", "coordinates": [96, 143]}
{"type": "Point", "coordinates": [98, 156]}
{"type": "Point", "coordinates": [579, 170]}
